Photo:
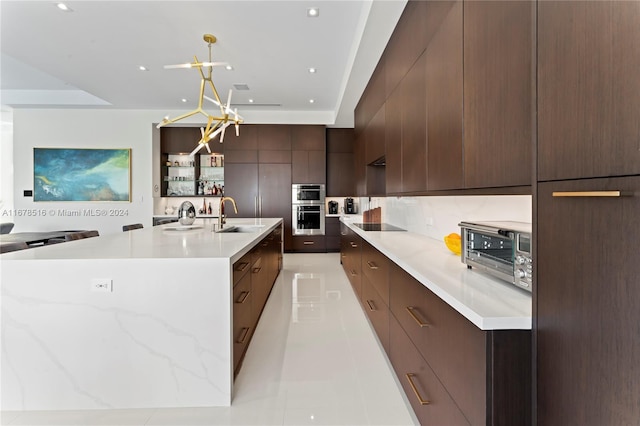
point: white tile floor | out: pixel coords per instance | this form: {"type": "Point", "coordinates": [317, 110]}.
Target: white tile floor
{"type": "Point", "coordinates": [313, 360]}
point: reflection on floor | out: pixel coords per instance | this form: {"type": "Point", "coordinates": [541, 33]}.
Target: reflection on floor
{"type": "Point", "coordinates": [313, 360]}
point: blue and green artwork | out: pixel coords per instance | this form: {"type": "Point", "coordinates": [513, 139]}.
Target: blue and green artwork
{"type": "Point", "coordinates": [64, 174]}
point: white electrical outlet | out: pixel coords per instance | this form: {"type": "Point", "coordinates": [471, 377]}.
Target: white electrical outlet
{"type": "Point", "coordinates": [102, 284]}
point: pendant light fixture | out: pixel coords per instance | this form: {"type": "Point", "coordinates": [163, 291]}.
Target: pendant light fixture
{"type": "Point", "coordinates": [216, 124]}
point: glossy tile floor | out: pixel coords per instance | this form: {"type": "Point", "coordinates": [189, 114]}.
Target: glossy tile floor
{"type": "Point", "coordinates": [313, 360]}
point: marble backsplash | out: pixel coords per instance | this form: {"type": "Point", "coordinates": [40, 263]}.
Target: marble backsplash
{"type": "Point", "coordinates": [436, 217]}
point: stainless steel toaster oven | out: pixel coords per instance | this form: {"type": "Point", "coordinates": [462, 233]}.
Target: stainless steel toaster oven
{"type": "Point", "coordinates": [502, 249]}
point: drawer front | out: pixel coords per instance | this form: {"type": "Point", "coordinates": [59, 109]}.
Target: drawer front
{"type": "Point", "coordinates": [241, 267]}
{"type": "Point", "coordinates": [311, 243]}
{"type": "Point", "coordinates": [242, 319]}
{"type": "Point", "coordinates": [332, 226]}
{"type": "Point", "coordinates": [377, 311]}
{"type": "Point", "coordinates": [454, 348]}
{"type": "Point", "coordinates": [375, 266]}
{"type": "Point", "coordinates": [428, 397]}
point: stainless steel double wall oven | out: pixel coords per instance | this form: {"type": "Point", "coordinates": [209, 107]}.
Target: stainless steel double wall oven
{"type": "Point", "coordinates": [308, 209]}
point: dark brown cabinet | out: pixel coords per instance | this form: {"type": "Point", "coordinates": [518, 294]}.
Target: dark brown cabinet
{"type": "Point", "coordinates": [443, 84]}
{"type": "Point", "coordinates": [350, 257]}
{"type": "Point", "coordinates": [253, 278]}
{"type": "Point", "coordinates": [499, 42]}
{"type": "Point", "coordinates": [332, 234]}
{"type": "Point", "coordinates": [586, 317]}
{"type": "Point", "coordinates": [308, 155]}
{"type": "Point", "coordinates": [340, 161]}
{"type": "Point", "coordinates": [586, 290]}
{"type": "Point", "coordinates": [588, 89]}
{"type": "Point", "coordinates": [308, 243]}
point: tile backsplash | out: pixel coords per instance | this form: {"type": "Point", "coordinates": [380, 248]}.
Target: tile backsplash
{"type": "Point", "coordinates": [436, 217]}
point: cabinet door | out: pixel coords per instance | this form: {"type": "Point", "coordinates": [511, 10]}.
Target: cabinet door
{"type": "Point", "coordinates": [587, 319]}
{"type": "Point", "coordinates": [308, 166]}
{"type": "Point", "coordinates": [498, 93]}
{"type": "Point", "coordinates": [275, 195]}
{"type": "Point", "coordinates": [241, 183]}
{"type": "Point", "coordinates": [393, 143]}
{"type": "Point", "coordinates": [414, 129]}
{"type": "Point", "coordinates": [588, 89]}
{"type": "Point", "coordinates": [359, 165]}
{"type": "Point", "coordinates": [428, 397]}
{"type": "Point", "coordinates": [443, 83]}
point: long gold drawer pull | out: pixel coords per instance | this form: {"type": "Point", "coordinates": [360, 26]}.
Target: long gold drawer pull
{"type": "Point", "coordinates": [343, 255]}
{"type": "Point", "coordinates": [354, 245]}
{"type": "Point", "coordinates": [592, 194]}
{"type": "Point", "coordinates": [411, 309]}
{"type": "Point", "coordinates": [421, 400]}
{"type": "Point", "coordinates": [372, 265]}
{"type": "Point", "coordinates": [353, 273]}
{"type": "Point", "coordinates": [372, 307]}
{"type": "Point", "coordinates": [308, 243]}
{"type": "Point", "coordinates": [245, 333]}
{"type": "Point", "coordinates": [241, 267]}
{"type": "Point", "coordinates": [256, 270]}
{"type": "Point", "coordinates": [243, 296]}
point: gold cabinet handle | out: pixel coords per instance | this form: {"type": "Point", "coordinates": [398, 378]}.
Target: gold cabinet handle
{"type": "Point", "coordinates": [372, 307]}
{"type": "Point", "coordinates": [256, 270]}
{"type": "Point", "coordinates": [421, 323]}
{"type": "Point", "coordinates": [245, 333]}
{"type": "Point", "coordinates": [343, 255]}
{"type": "Point", "coordinates": [353, 273]}
{"type": "Point", "coordinates": [421, 400]}
{"type": "Point", "coordinates": [266, 243]}
{"type": "Point", "coordinates": [308, 243]}
{"type": "Point", "coordinates": [354, 245]}
{"type": "Point", "coordinates": [243, 297]}
{"type": "Point", "coordinates": [592, 194]}
{"type": "Point", "coordinates": [242, 266]}
{"type": "Point", "coordinates": [372, 265]}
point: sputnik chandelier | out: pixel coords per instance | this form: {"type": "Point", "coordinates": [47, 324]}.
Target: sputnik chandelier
{"type": "Point", "coordinates": [216, 125]}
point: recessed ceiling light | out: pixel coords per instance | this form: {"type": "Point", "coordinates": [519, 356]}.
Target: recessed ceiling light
{"type": "Point", "coordinates": [64, 7]}
{"type": "Point", "coordinates": [250, 101]}
{"type": "Point", "coordinates": [312, 70]}
{"type": "Point", "coordinates": [184, 100]}
{"type": "Point", "coordinates": [228, 67]}
{"type": "Point", "coordinates": [313, 12]}
{"type": "Point", "coordinates": [311, 101]}
{"type": "Point", "coordinates": [143, 68]}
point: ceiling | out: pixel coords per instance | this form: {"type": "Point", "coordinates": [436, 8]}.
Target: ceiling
{"type": "Point", "coordinates": [90, 57]}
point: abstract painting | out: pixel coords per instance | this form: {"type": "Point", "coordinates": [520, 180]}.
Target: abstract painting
{"type": "Point", "coordinates": [71, 174]}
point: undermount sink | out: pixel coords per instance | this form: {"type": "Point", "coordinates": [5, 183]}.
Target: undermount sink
{"type": "Point", "coordinates": [240, 228]}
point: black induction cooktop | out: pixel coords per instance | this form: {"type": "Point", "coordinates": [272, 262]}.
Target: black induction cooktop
{"type": "Point", "coordinates": [378, 227]}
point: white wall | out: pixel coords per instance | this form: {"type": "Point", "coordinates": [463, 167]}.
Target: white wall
{"type": "Point", "coordinates": [82, 128]}
{"type": "Point", "coordinates": [6, 165]}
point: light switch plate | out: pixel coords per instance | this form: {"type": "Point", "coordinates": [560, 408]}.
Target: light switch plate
{"type": "Point", "coordinates": [102, 284]}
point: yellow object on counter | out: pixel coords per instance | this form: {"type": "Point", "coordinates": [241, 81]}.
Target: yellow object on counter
{"type": "Point", "coordinates": [454, 242]}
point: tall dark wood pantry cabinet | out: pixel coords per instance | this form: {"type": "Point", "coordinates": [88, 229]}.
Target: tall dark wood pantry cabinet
{"type": "Point", "coordinates": [586, 214]}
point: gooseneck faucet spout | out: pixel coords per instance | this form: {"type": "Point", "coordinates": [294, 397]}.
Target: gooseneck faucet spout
{"type": "Point", "coordinates": [222, 218]}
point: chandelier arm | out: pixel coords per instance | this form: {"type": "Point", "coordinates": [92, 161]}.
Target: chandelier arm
{"type": "Point", "coordinates": [181, 117]}
{"type": "Point", "coordinates": [215, 93]}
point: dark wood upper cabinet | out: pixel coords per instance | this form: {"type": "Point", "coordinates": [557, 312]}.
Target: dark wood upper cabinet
{"type": "Point", "coordinates": [374, 137]}
{"type": "Point", "coordinates": [359, 166]}
{"type": "Point", "coordinates": [588, 89]}
{"type": "Point", "coordinates": [443, 84]}
{"type": "Point", "coordinates": [414, 128]}
{"type": "Point", "coordinates": [179, 139]}
{"type": "Point", "coordinates": [393, 142]}
{"type": "Point", "coordinates": [498, 92]}
{"type": "Point", "coordinates": [340, 176]}
{"type": "Point", "coordinates": [274, 137]}
{"type": "Point", "coordinates": [408, 41]}
{"type": "Point", "coordinates": [247, 140]}
{"type": "Point", "coordinates": [372, 98]}
{"type": "Point", "coordinates": [308, 157]}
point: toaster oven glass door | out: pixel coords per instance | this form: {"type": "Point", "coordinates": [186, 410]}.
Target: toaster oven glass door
{"type": "Point", "coordinates": [492, 251]}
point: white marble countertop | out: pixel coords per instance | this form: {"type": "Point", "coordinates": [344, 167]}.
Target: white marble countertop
{"type": "Point", "coordinates": [487, 302]}
{"type": "Point", "coordinates": [158, 242]}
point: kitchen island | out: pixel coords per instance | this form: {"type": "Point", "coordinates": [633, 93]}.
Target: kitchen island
{"type": "Point", "coordinates": [135, 319]}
